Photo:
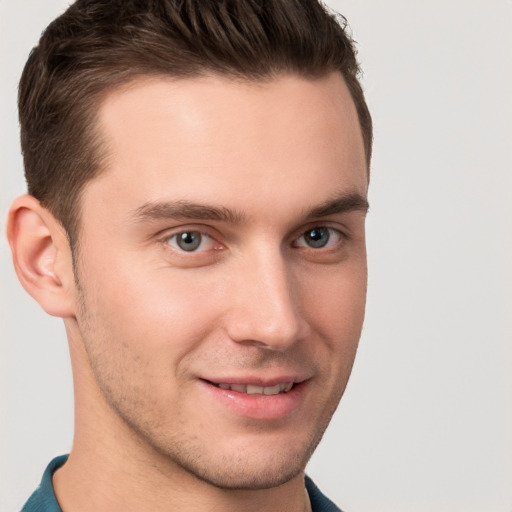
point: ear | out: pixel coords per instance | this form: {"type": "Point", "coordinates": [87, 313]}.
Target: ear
{"type": "Point", "coordinates": [41, 256]}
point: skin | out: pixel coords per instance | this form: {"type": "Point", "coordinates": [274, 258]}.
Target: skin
{"type": "Point", "coordinates": [150, 324]}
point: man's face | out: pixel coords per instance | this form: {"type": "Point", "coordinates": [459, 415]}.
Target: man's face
{"type": "Point", "coordinates": [222, 272]}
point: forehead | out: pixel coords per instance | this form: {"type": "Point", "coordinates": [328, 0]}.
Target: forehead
{"type": "Point", "coordinates": [212, 137]}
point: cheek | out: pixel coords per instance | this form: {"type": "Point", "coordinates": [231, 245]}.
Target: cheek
{"type": "Point", "coordinates": [139, 333]}
{"type": "Point", "coordinates": [335, 304]}
{"type": "Point", "coordinates": [140, 327]}
{"type": "Point", "coordinates": [335, 299]}
{"type": "Point", "coordinates": [151, 318]}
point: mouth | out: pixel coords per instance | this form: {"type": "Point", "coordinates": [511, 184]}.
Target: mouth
{"type": "Point", "coordinates": [258, 399]}
{"type": "Point", "coordinates": [252, 389]}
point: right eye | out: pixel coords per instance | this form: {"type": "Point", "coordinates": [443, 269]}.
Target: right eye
{"type": "Point", "coordinates": [191, 241]}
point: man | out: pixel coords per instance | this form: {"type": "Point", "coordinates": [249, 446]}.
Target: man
{"type": "Point", "coordinates": [197, 177]}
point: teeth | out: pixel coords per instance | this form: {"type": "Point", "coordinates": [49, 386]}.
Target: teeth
{"type": "Point", "coordinates": [251, 389]}
{"type": "Point", "coordinates": [272, 390]}
{"type": "Point", "coordinates": [287, 387]}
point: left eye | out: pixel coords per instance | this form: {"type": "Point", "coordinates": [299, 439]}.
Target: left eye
{"type": "Point", "coordinates": [191, 241]}
{"type": "Point", "coordinates": [318, 238]}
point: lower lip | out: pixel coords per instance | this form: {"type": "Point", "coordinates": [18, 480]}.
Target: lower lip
{"type": "Point", "coordinates": [259, 407]}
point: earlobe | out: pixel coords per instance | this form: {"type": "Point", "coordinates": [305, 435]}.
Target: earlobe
{"type": "Point", "coordinates": [41, 256]}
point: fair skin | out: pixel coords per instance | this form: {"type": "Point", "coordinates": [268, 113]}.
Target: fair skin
{"type": "Point", "coordinates": [219, 292]}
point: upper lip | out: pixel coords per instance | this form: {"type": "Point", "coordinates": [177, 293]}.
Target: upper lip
{"type": "Point", "coordinates": [259, 380]}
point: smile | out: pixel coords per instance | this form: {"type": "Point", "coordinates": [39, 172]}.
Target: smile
{"type": "Point", "coordinates": [258, 399]}
{"type": "Point", "coordinates": [251, 389]}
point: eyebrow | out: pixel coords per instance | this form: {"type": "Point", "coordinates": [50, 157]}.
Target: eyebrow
{"type": "Point", "coordinates": [344, 203]}
{"type": "Point", "coordinates": [187, 210]}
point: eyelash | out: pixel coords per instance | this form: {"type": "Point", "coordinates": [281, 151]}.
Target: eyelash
{"type": "Point", "coordinates": [330, 245]}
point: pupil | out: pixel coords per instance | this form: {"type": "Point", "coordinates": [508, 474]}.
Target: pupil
{"type": "Point", "coordinates": [317, 237]}
{"type": "Point", "coordinates": [189, 241]}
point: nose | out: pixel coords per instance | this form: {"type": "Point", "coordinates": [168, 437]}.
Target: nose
{"type": "Point", "coordinates": [266, 309]}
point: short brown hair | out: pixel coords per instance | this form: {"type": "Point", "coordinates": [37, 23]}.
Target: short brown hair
{"type": "Point", "coordinates": [98, 45]}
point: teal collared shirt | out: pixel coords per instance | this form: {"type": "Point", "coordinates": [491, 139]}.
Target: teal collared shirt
{"type": "Point", "coordinates": [44, 500]}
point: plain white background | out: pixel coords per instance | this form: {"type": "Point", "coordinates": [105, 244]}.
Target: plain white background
{"type": "Point", "coordinates": [426, 422]}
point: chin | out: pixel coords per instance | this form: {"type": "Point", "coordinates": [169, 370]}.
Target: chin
{"type": "Point", "coordinates": [252, 465]}
{"type": "Point", "coordinates": [245, 475]}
